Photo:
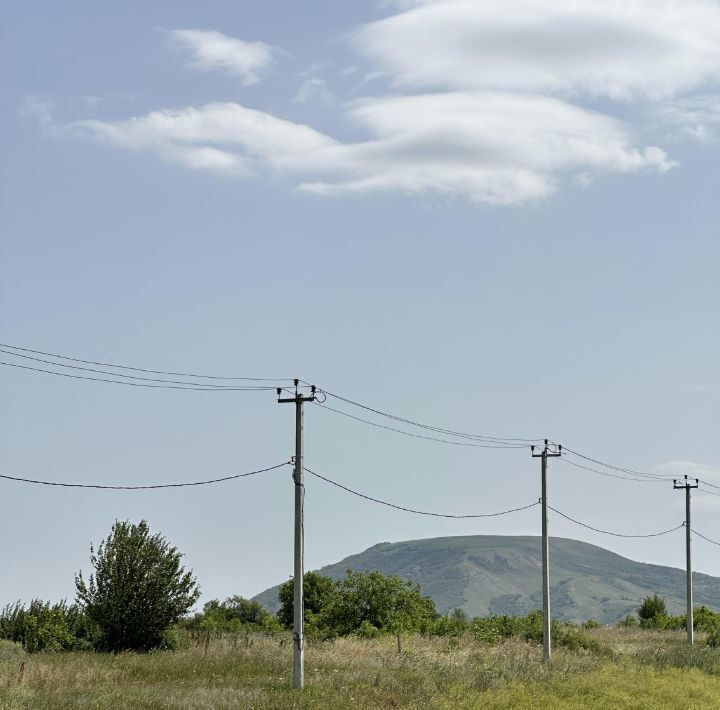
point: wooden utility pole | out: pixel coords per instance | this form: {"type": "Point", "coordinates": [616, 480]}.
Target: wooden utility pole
{"type": "Point", "coordinates": [546, 453]}
{"type": "Point", "coordinates": [299, 561]}
{"type": "Point", "coordinates": [678, 485]}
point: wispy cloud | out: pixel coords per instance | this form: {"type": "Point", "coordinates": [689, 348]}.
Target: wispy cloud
{"type": "Point", "coordinates": [487, 147]}
{"type": "Point", "coordinates": [486, 101]}
{"type": "Point", "coordinates": [219, 137]}
{"type": "Point", "coordinates": [620, 49]}
{"type": "Point", "coordinates": [696, 117]}
{"type": "Point", "coordinates": [213, 50]}
{"type": "Point", "coordinates": [313, 90]}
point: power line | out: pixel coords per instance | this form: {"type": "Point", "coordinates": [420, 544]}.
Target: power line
{"type": "Point", "coordinates": [115, 374]}
{"type": "Point", "coordinates": [707, 539]}
{"type": "Point", "coordinates": [199, 388]}
{"type": "Point", "coordinates": [439, 430]}
{"type": "Point", "coordinates": [614, 475]}
{"type": "Point", "coordinates": [141, 369]}
{"type": "Point", "coordinates": [143, 488]}
{"type": "Point", "coordinates": [614, 534]}
{"type": "Point", "coordinates": [412, 510]}
{"type": "Point", "coordinates": [618, 468]}
{"type": "Point", "coordinates": [420, 436]}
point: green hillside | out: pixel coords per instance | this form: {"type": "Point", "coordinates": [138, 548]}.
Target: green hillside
{"type": "Point", "coordinates": [487, 574]}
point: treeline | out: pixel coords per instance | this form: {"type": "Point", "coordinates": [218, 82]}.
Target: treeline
{"type": "Point", "coordinates": [138, 598]}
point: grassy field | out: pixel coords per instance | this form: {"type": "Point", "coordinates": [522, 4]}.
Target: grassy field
{"type": "Point", "coordinates": [626, 669]}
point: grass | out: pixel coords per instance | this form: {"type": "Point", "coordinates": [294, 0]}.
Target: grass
{"type": "Point", "coordinates": [623, 669]}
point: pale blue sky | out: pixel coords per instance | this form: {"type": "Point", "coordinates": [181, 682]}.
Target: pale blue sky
{"type": "Point", "coordinates": [454, 239]}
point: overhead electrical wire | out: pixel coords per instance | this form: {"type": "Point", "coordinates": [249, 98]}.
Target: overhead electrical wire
{"type": "Point", "coordinates": [420, 436]}
{"type": "Point", "coordinates": [120, 374]}
{"type": "Point", "coordinates": [707, 539]}
{"type": "Point", "coordinates": [413, 510]}
{"type": "Point", "coordinates": [614, 534]}
{"type": "Point", "coordinates": [428, 427]}
{"type": "Point", "coordinates": [101, 486]}
{"type": "Point", "coordinates": [615, 475]}
{"type": "Point", "coordinates": [146, 370]}
{"type": "Point", "coordinates": [199, 388]}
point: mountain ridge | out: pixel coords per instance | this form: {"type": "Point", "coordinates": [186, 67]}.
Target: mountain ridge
{"type": "Point", "coordinates": [501, 574]}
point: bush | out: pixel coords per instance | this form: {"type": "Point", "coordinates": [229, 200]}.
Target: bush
{"type": "Point", "coordinates": [317, 592]}
{"type": "Point", "coordinates": [43, 626]}
{"type": "Point", "coordinates": [493, 629]}
{"type": "Point", "coordinates": [233, 615]}
{"type": "Point", "coordinates": [389, 603]}
{"type": "Point", "coordinates": [138, 589]}
{"type": "Point", "coordinates": [628, 622]}
{"type": "Point", "coordinates": [590, 624]}
{"type": "Point", "coordinates": [651, 608]}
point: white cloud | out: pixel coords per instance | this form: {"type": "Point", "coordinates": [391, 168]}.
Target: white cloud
{"type": "Point", "coordinates": [214, 50]}
{"type": "Point", "coordinates": [220, 137]}
{"type": "Point", "coordinates": [313, 90]}
{"type": "Point", "coordinates": [621, 49]}
{"type": "Point", "coordinates": [487, 147]}
{"type": "Point", "coordinates": [696, 117]}
{"type": "Point", "coordinates": [40, 110]}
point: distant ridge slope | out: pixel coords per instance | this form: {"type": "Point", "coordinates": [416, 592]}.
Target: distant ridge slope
{"type": "Point", "coordinates": [489, 574]}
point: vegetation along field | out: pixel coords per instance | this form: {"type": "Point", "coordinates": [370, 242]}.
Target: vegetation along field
{"type": "Point", "coordinates": [620, 668]}
{"type": "Point", "coordinates": [373, 640]}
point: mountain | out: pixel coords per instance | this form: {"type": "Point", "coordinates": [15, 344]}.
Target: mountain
{"type": "Point", "coordinates": [489, 574]}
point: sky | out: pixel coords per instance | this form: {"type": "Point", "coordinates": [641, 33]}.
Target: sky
{"type": "Point", "coordinates": [494, 218]}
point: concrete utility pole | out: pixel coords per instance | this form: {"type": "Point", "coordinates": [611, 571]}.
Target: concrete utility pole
{"type": "Point", "coordinates": [299, 566]}
{"type": "Point", "coordinates": [678, 485]}
{"type": "Point", "coordinates": [546, 453]}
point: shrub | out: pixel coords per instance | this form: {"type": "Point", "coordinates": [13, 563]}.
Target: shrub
{"type": "Point", "coordinates": [43, 626]}
{"type": "Point", "coordinates": [388, 603]}
{"type": "Point", "coordinates": [628, 622]}
{"type": "Point", "coordinates": [317, 593]}
{"type": "Point", "coordinates": [137, 591]}
{"type": "Point", "coordinates": [652, 607]}
{"type": "Point", "coordinates": [590, 624]}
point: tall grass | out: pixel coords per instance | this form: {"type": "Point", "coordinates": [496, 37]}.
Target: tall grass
{"type": "Point", "coordinates": [620, 669]}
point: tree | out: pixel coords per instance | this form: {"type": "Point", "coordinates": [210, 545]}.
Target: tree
{"type": "Point", "coordinates": [138, 588]}
{"type": "Point", "coordinates": [652, 608]}
{"type": "Point", "coordinates": [371, 599]}
{"type": "Point", "coordinates": [231, 615]}
{"type": "Point", "coordinates": [318, 590]}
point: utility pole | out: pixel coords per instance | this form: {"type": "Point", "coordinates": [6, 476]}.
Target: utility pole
{"type": "Point", "coordinates": [678, 485]}
{"type": "Point", "coordinates": [299, 563]}
{"type": "Point", "coordinates": [547, 452]}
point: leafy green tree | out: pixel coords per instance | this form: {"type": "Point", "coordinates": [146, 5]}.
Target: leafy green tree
{"type": "Point", "coordinates": [233, 614]}
{"type": "Point", "coordinates": [652, 608]}
{"type": "Point", "coordinates": [318, 590]}
{"type": "Point", "coordinates": [138, 588]}
{"type": "Point", "coordinates": [387, 603]}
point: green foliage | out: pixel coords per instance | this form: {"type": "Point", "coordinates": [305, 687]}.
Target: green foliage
{"type": "Point", "coordinates": [451, 625]}
{"type": "Point", "coordinates": [651, 608]}
{"type": "Point", "coordinates": [590, 624]}
{"type": "Point", "coordinates": [388, 603]}
{"type": "Point", "coordinates": [47, 627]}
{"type": "Point", "coordinates": [236, 614]}
{"type": "Point", "coordinates": [138, 589]}
{"type": "Point", "coordinates": [317, 592]}
{"type": "Point", "coordinates": [364, 604]}
{"type": "Point", "coordinates": [628, 622]}
{"type": "Point", "coordinates": [493, 629]}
